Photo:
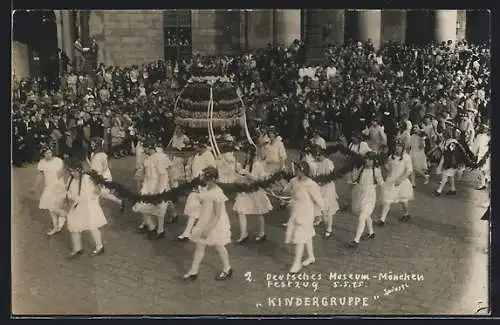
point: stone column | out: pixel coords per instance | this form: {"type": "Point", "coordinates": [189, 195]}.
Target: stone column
{"type": "Point", "coordinates": [445, 25]}
{"type": "Point", "coordinates": [461, 24]}
{"type": "Point", "coordinates": [59, 29]}
{"type": "Point", "coordinates": [323, 27]}
{"type": "Point", "coordinates": [67, 39]}
{"type": "Point", "coordinates": [393, 26]}
{"type": "Point", "coordinates": [288, 26]}
{"type": "Point", "coordinates": [369, 26]}
{"type": "Point", "coordinates": [259, 28]}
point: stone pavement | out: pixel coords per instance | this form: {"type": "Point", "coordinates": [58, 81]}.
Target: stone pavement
{"type": "Point", "coordinates": [443, 246]}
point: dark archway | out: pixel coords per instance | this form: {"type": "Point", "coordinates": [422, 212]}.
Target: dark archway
{"type": "Point", "coordinates": [38, 30]}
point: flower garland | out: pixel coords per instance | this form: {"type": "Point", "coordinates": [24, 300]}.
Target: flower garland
{"type": "Point", "coordinates": [226, 105]}
{"type": "Point", "coordinates": [184, 113]}
{"type": "Point", "coordinates": [204, 122]}
{"type": "Point", "coordinates": [200, 91]}
{"type": "Point", "coordinates": [173, 194]}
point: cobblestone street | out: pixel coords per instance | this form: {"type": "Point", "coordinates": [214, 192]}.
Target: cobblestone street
{"type": "Point", "coordinates": [443, 246]}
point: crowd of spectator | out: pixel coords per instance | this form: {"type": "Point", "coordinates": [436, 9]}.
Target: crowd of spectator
{"type": "Point", "coordinates": [354, 84]}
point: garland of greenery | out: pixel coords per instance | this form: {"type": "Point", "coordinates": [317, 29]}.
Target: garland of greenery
{"type": "Point", "coordinates": [183, 189]}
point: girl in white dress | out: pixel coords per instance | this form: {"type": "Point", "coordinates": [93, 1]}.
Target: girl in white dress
{"type": "Point", "coordinates": [306, 195]}
{"type": "Point", "coordinates": [364, 197]}
{"type": "Point", "coordinates": [51, 171]}
{"type": "Point", "coordinates": [360, 147]}
{"type": "Point", "coordinates": [139, 161]}
{"type": "Point", "coordinates": [255, 203]}
{"type": "Point", "coordinates": [98, 161]}
{"type": "Point", "coordinates": [156, 180]}
{"type": "Point", "coordinates": [275, 153]}
{"type": "Point", "coordinates": [397, 187]}
{"type": "Point", "coordinates": [480, 148]}
{"type": "Point", "coordinates": [85, 212]}
{"type": "Point", "coordinates": [226, 165]}
{"type": "Point", "coordinates": [324, 166]}
{"type": "Point", "coordinates": [203, 159]}
{"type": "Point", "coordinates": [377, 139]}
{"type": "Point", "coordinates": [417, 154]}
{"type": "Point", "coordinates": [213, 227]}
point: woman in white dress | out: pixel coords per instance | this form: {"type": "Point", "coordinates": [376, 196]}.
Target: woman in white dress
{"type": "Point", "coordinates": [397, 187]}
{"type": "Point", "coordinates": [213, 227]}
{"type": "Point", "coordinates": [255, 203]}
{"type": "Point", "coordinates": [364, 197]}
{"type": "Point", "coordinates": [324, 166]}
{"type": "Point", "coordinates": [98, 162]}
{"type": "Point", "coordinates": [417, 154]}
{"type": "Point", "coordinates": [85, 213]}
{"type": "Point", "coordinates": [51, 171]}
{"type": "Point", "coordinates": [306, 195]}
{"type": "Point", "coordinates": [156, 180]}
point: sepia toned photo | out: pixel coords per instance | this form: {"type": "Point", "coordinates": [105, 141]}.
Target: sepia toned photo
{"type": "Point", "coordinates": [250, 162]}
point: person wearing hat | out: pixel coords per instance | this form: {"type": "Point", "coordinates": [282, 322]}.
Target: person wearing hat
{"type": "Point", "coordinates": [480, 148]}
{"type": "Point", "coordinates": [305, 198]}
{"type": "Point", "coordinates": [213, 227]}
{"type": "Point", "coordinates": [156, 180]}
{"type": "Point", "coordinates": [98, 162]}
{"type": "Point", "coordinates": [364, 197]}
{"type": "Point", "coordinates": [202, 159]}
{"type": "Point", "coordinates": [51, 170]}
{"type": "Point", "coordinates": [85, 213]}
{"type": "Point", "coordinates": [324, 166]}
{"type": "Point", "coordinates": [397, 187]}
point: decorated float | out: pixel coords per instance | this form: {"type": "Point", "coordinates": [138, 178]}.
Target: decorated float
{"type": "Point", "coordinates": [209, 109]}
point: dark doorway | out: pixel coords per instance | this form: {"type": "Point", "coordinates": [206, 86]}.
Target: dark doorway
{"type": "Point", "coordinates": [478, 26]}
{"type": "Point", "coordinates": [38, 30]}
{"type": "Point", "coordinates": [419, 27]}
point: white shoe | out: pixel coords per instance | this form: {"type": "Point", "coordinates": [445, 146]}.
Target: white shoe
{"type": "Point", "coordinates": [309, 261]}
{"type": "Point", "coordinates": [427, 178]}
{"type": "Point", "coordinates": [295, 268]}
{"type": "Point", "coordinates": [53, 231]}
{"type": "Point", "coordinates": [61, 222]}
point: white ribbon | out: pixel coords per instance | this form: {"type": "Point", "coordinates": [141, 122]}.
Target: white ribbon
{"type": "Point", "coordinates": [245, 124]}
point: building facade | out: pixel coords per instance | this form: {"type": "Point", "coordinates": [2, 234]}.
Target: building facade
{"type": "Point", "coordinates": [139, 36]}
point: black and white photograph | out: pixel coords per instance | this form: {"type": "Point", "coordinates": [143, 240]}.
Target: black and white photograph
{"type": "Point", "coordinates": [257, 162]}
